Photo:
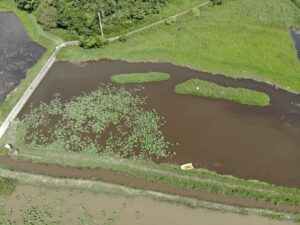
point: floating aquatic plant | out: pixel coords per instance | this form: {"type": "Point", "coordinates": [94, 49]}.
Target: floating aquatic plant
{"type": "Point", "coordinates": [109, 120]}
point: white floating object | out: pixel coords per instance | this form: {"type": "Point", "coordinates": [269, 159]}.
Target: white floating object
{"type": "Point", "coordinates": [8, 146]}
{"type": "Point", "coordinates": [197, 88]}
{"type": "Point", "coordinates": [187, 166]}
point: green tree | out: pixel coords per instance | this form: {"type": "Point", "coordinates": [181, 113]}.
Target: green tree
{"type": "Point", "coordinates": [47, 16]}
{"type": "Point", "coordinates": [95, 41]}
{"type": "Point", "coordinates": [28, 5]}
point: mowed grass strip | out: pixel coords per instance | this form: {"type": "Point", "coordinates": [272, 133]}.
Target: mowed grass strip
{"type": "Point", "coordinates": [212, 90]}
{"type": "Point", "coordinates": [139, 78]}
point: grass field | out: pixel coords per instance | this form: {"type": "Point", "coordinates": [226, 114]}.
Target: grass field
{"type": "Point", "coordinates": [240, 39]}
{"type": "Point", "coordinates": [139, 78]}
{"type": "Point", "coordinates": [212, 90]}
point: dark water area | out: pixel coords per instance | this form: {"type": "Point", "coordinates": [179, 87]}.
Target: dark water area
{"type": "Point", "coordinates": [18, 53]}
{"type": "Point", "coordinates": [296, 39]}
{"type": "Point", "coordinates": [245, 141]}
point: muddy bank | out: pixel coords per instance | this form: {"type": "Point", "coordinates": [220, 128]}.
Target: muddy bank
{"type": "Point", "coordinates": [56, 170]}
{"type": "Point", "coordinates": [18, 53]}
{"type": "Point", "coordinates": [245, 141]}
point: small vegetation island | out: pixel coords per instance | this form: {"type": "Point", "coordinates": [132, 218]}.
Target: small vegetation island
{"type": "Point", "coordinates": [117, 116]}
{"type": "Point", "coordinates": [212, 90]}
{"type": "Point", "coordinates": [139, 78]}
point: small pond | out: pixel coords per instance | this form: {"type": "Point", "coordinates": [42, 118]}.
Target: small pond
{"type": "Point", "coordinates": [246, 141]}
{"type": "Point", "coordinates": [18, 53]}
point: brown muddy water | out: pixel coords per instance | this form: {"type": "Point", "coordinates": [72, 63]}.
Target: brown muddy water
{"type": "Point", "coordinates": [245, 141]}
{"type": "Point", "coordinates": [18, 53]}
{"type": "Point", "coordinates": [81, 207]}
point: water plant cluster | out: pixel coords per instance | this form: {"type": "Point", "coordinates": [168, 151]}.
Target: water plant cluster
{"type": "Point", "coordinates": [108, 120]}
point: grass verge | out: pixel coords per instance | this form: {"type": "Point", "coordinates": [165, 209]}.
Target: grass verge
{"type": "Point", "coordinates": [236, 39]}
{"type": "Point", "coordinates": [212, 90]}
{"type": "Point", "coordinates": [139, 78]}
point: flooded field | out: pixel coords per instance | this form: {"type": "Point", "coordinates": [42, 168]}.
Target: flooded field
{"type": "Point", "coordinates": [81, 207]}
{"type": "Point", "coordinates": [246, 141]}
{"type": "Point", "coordinates": [17, 53]}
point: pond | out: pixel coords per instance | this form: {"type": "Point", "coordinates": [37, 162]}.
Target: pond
{"type": "Point", "coordinates": [18, 53]}
{"type": "Point", "coordinates": [245, 141]}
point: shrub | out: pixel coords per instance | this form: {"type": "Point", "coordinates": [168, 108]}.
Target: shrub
{"type": "Point", "coordinates": [47, 16]}
{"type": "Point", "coordinates": [95, 41]}
{"type": "Point", "coordinates": [170, 20]}
{"type": "Point", "coordinates": [27, 5]}
{"type": "Point", "coordinates": [217, 2]}
{"type": "Point", "coordinates": [123, 38]}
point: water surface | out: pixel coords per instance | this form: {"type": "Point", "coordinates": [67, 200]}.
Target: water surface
{"type": "Point", "coordinates": [18, 53]}
{"type": "Point", "coordinates": [245, 141]}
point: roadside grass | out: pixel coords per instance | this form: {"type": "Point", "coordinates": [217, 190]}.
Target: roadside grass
{"type": "Point", "coordinates": [7, 186]}
{"type": "Point", "coordinates": [36, 34]}
{"type": "Point", "coordinates": [211, 90]}
{"type": "Point", "coordinates": [240, 39]}
{"type": "Point", "coordinates": [139, 78]}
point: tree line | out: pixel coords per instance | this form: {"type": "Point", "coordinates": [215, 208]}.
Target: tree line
{"type": "Point", "coordinates": [81, 15]}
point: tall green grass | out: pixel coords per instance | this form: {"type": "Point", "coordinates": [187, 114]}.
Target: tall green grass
{"type": "Point", "coordinates": [240, 39]}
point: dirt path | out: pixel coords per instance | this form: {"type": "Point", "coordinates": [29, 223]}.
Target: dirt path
{"type": "Point", "coordinates": [56, 170]}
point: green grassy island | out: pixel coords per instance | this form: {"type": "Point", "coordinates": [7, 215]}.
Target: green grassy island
{"type": "Point", "coordinates": [212, 90]}
{"type": "Point", "coordinates": [139, 78]}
